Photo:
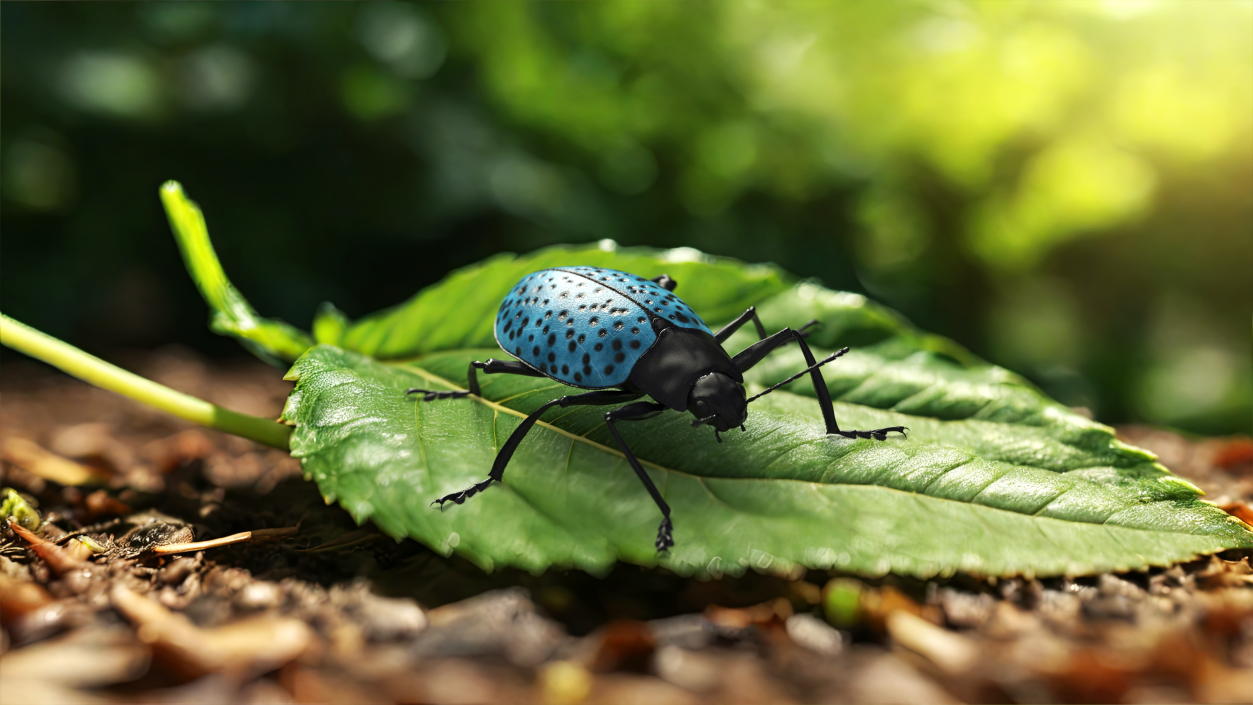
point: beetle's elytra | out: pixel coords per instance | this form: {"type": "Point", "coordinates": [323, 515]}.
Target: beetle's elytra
{"type": "Point", "coordinates": [625, 337]}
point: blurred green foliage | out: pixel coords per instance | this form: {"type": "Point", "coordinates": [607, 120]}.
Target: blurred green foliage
{"type": "Point", "coordinates": [1065, 187]}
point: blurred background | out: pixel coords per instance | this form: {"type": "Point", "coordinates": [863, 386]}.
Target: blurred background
{"type": "Point", "coordinates": [1064, 187]}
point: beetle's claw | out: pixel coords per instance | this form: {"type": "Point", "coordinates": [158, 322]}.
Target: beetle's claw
{"type": "Point", "coordinates": [879, 434]}
{"type": "Point", "coordinates": [664, 540]}
{"type": "Point", "coordinates": [432, 395]}
{"type": "Point", "coordinates": [463, 495]}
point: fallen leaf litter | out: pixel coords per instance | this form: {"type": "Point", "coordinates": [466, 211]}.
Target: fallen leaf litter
{"type": "Point", "coordinates": [179, 564]}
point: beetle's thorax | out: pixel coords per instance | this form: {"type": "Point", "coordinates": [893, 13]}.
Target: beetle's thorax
{"type": "Point", "coordinates": [718, 401]}
{"type": "Point", "coordinates": [671, 368]}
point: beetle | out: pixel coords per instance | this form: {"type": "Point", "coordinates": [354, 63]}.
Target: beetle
{"type": "Point", "coordinates": [623, 337]}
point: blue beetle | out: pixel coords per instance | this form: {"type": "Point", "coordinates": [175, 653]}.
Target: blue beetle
{"type": "Point", "coordinates": [624, 337]}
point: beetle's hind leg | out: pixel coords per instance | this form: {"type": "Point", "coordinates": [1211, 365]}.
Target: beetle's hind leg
{"type": "Point", "coordinates": [491, 367]}
{"type": "Point", "coordinates": [597, 398]}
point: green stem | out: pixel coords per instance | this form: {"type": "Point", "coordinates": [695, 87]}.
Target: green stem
{"type": "Point", "coordinates": [93, 370]}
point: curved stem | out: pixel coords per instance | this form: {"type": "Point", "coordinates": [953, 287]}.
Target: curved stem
{"type": "Point", "coordinates": [93, 370]}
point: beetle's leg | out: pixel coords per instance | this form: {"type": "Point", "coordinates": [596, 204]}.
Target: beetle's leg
{"type": "Point", "coordinates": [747, 358]}
{"type": "Point", "coordinates": [638, 412]}
{"type": "Point", "coordinates": [491, 367]}
{"type": "Point", "coordinates": [664, 281]}
{"type": "Point", "coordinates": [597, 398]}
{"type": "Point", "coordinates": [751, 315]}
{"type": "Point", "coordinates": [754, 354]}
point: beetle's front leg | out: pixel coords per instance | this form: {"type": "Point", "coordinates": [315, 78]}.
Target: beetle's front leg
{"type": "Point", "coordinates": [750, 314]}
{"type": "Point", "coordinates": [755, 353]}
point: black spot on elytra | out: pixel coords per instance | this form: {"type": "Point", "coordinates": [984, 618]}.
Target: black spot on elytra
{"type": "Point", "coordinates": [562, 316]}
{"type": "Point", "coordinates": [682, 318]}
{"type": "Point", "coordinates": [619, 357]}
{"type": "Point", "coordinates": [565, 369]}
{"type": "Point", "coordinates": [530, 338]}
{"type": "Point", "coordinates": [552, 357]}
{"type": "Point", "coordinates": [552, 338]}
{"type": "Point", "coordinates": [586, 358]}
{"type": "Point", "coordinates": [641, 319]}
{"type": "Point", "coordinates": [569, 334]}
{"type": "Point", "coordinates": [572, 346]}
{"type": "Point", "coordinates": [587, 369]}
{"type": "Point", "coordinates": [543, 367]}
{"type": "Point", "coordinates": [594, 322]}
{"type": "Point", "coordinates": [578, 377]}
{"type": "Point", "coordinates": [582, 338]}
{"type": "Point", "coordinates": [635, 343]}
{"type": "Point", "coordinates": [535, 351]}
{"type": "Point", "coordinates": [635, 331]}
{"type": "Point", "coordinates": [602, 332]}
{"type": "Point", "coordinates": [617, 345]}
{"type": "Point", "coordinates": [608, 369]}
{"type": "Point", "coordinates": [618, 325]}
{"type": "Point", "coordinates": [598, 347]}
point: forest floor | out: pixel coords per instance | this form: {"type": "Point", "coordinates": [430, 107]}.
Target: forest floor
{"type": "Point", "coordinates": [313, 609]}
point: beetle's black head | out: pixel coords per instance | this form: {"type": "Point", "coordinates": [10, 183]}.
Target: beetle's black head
{"type": "Point", "coordinates": [718, 400]}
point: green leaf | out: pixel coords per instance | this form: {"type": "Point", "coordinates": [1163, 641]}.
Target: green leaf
{"type": "Point", "coordinates": [994, 478]}
{"type": "Point", "coordinates": [271, 340]}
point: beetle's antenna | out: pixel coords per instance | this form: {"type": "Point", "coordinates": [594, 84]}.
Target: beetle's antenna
{"type": "Point", "coordinates": [798, 375]}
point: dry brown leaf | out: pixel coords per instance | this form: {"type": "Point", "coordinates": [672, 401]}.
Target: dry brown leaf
{"type": "Point", "coordinates": [241, 649]}
{"type": "Point", "coordinates": [952, 653]}
{"type": "Point", "coordinates": [37, 460]}
{"type": "Point", "coordinates": [60, 560]}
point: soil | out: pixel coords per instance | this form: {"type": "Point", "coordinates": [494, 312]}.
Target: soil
{"type": "Point", "coordinates": [311, 608]}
